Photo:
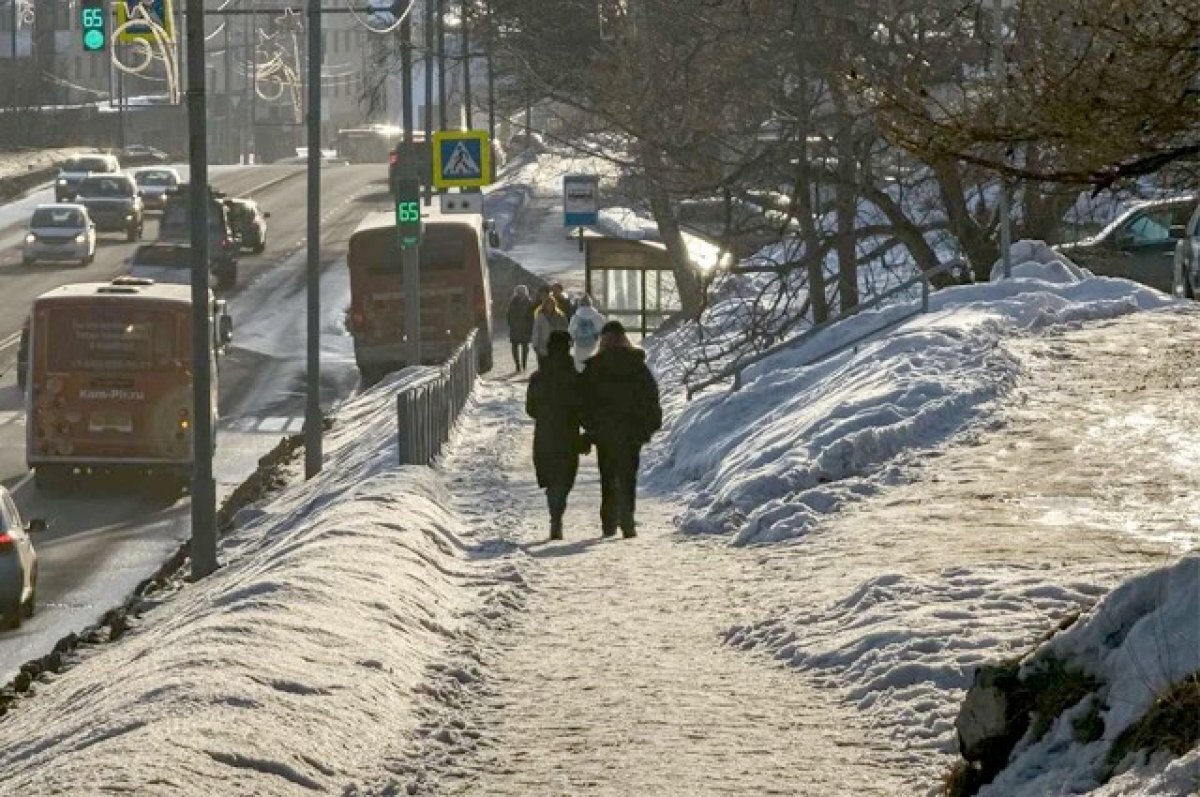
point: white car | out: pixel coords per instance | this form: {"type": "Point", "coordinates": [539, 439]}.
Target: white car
{"type": "Point", "coordinates": [18, 562]}
{"type": "Point", "coordinates": [60, 232]}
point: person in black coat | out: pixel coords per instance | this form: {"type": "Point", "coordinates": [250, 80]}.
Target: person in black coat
{"type": "Point", "coordinates": [520, 325]}
{"type": "Point", "coordinates": [553, 401]}
{"type": "Point", "coordinates": [621, 411]}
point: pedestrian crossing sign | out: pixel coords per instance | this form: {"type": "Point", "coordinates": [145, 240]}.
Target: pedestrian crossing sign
{"type": "Point", "coordinates": [145, 19]}
{"type": "Point", "coordinates": [461, 159]}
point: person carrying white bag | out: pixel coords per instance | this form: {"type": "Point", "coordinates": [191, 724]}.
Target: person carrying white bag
{"type": "Point", "coordinates": [584, 330]}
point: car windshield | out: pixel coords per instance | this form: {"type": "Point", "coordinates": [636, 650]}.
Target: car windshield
{"type": "Point", "coordinates": [155, 178]}
{"type": "Point", "coordinates": [69, 218]}
{"type": "Point", "coordinates": [86, 165]}
{"type": "Point", "coordinates": [105, 187]}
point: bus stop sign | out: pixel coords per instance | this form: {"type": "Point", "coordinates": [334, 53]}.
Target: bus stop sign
{"type": "Point", "coordinates": [581, 200]}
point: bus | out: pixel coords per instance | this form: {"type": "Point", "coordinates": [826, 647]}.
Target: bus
{"type": "Point", "coordinates": [110, 380]}
{"type": "Point", "coordinates": [369, 144]}
{"type": "Point", "coordinates": [455, 292]}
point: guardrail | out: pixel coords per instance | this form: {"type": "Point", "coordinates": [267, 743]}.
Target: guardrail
{"type": "Point", "coordinates": [426, 411]}
{"type": "Point", "coordinates": [735, 371]}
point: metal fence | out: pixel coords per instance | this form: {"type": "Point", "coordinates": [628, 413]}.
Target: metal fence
{"type": "Point", "coordinates": [426, 411]}
{"type": "Point", "coordinates": [734, 371]}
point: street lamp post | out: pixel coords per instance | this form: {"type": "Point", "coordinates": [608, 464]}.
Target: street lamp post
{"type": "Point", "coordinates": [998, 69]}
{"type": "Point", "coordinates": [313, 421]}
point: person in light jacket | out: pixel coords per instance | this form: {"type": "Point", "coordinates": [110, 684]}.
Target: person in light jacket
{"type": "Point", "coordinates": [584, 329]}
{"type": "Point", "coordinates": [547, 319]}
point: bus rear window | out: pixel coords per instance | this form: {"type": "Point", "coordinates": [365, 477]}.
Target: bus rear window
{"type": "Point", "coordinates": [443, 248]}
{"type": "Point", "coordinates": [95, 339]}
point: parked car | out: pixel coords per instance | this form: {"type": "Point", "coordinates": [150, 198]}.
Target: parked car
{"type": "Point", "coordinates": [140, 154]}
{"type": "Point", "coordinates": [113, 203]}
{"type": "Point", "coordinates": [60, 232]}
{"type": "Point", "coordinates": [18, 562]}
{"type": "Point", "coordinates": [249, 224]}
{"type": "Point", "coordinates": [1186, 260]}
{"type": "Point", "coordinates": [154, 182]}
{"type": "Point", "coordinates": [1139, 245]}
{"type": "Point", "coordinates": [73, 170]}
{"type": "Point", "coordinates": [223, 246]}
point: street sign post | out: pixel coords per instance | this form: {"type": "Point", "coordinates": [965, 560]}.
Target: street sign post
{"type": "Point", "coordinates": [581, 200]}
{"type": "Point", "coordinates": [159, 12]}
{"type": "Point", "coordinates": [461, 159]}
{"type": "Point", "coordinates": [408, 236]}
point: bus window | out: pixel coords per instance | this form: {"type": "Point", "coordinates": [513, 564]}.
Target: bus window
{"type": "Point", "coordinates": [89, 340]}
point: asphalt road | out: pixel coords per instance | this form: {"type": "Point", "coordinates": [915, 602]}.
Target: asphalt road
{"type": "Point", "coordinates": [106, 535]}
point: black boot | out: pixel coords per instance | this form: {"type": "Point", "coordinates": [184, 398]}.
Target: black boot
{"type": "Point", "coordinates": [556, 528]}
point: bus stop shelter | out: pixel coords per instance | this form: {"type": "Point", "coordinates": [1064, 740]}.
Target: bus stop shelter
{"type": "Point", "coordinates": [630, 280]}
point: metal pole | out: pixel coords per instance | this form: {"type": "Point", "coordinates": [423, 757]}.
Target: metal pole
{"type": "Point", "coordinates": [204, 488]}
{"type": "Point", "coordinates": [12, 77]}
{"type": "Point", "coordinates": [491, 86]}
{"type": "Point", "coordinates": [312, 413]}
{"type": "Point", "coordinates": [253, 78]}
{"type": "Point", "coordinates": [227, 128]}
{"type": "Point", "coordinates": [466, 63]}
{"type": "Point", "coordinates": [441, 60]}
{"type": "Point", "coordinates": [410, 261]}
{"type": "Point", "coordinates": [406, 77]}
{"type": "Point", "coordinates": [428, 181]}
{"type": "Point", "coordinates": [998, 69]}
{"type": "Point", "coordinates": [120, 108]}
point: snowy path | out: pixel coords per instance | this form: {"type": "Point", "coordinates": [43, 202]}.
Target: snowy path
{"type": "Point", "coordinates": [614, 678]}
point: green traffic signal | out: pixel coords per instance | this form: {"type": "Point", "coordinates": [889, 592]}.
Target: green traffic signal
{"type": "Point", "coordinates": [92, 23]}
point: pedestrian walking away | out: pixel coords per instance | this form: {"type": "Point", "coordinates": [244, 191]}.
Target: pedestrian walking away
{"type": "Point", "coordinates": [621, 411]}
{"type": "Point", "coordinates": [554, 402]}
{"type": "Point", "coordinates": [546, 319]}
{"type": "Point", "coordinates": [584, 329]}
{"type": "Point", "coordinates": [563, 301]}
{"type": "Point", "coordinates": [520, 326]}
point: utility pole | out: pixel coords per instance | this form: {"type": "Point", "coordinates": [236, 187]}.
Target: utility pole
{"type": "Point", "coordinates": [466, 63]}
{"type": "Point", "coordinates": [491, 84]}
{"type": "Point", "coordinates": [441, 60]}
{"type": "Point", "coordinates": [406, 77]}
{"type": "Point", "coordinates": [253, 78]}
{"type": "Point", "coordinates": [998, 68]}
{"type": "Point", "coordinates": [313, 422]}
{"type": "Point", "coordinates": [204, 488]}
{"type": "Point", "coordinates": [429, 94]}
{"type": "Point", "coordinates": [227, 132]}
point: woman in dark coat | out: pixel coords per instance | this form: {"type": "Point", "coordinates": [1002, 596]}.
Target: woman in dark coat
{"type": "Point", "coordinates": [621, 411]}
{"type": "Point", "coordinates": [520, 325]}
{"type": "Point", "coordinates": [553, 401]}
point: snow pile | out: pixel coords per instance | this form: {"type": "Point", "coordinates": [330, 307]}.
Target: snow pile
{"type": "Point", "coordinates": [822, 422]}
{"type": "Point", "coordinates": [899, 643]}
{"type": "Point", "coordinates": [1137, 642]}
{"type": "Point", "coordinates": [1036, 260]}
{"type": "Point", "coordinates": [295, 667]}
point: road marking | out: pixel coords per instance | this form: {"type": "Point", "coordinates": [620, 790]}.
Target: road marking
{"type": "Point", "coordinates": [272, 425]}
{"type": "Point", "coordinates": [296, 426]}
{"type": "Point", "coordinates": [11, 340]}
{"type": "Point", "coordinates": [26, 479]}
{"type": "Point", "coordinates": [9, 416]}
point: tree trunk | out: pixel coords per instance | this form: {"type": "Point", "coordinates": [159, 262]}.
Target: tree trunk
{"type": "Point", "coordinates": [802, 204]}
{"type": "Point", "coordinates": [980, 248]}
{"type": "Point", "coordinates": [846, 201]}
{"type": "Point", "coordinates": [687, 279]}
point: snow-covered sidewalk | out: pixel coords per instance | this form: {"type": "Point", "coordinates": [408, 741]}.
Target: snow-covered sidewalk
{"type": "Point", "coordinates": [614, 679]}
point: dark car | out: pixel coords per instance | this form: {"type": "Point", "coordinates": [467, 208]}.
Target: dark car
{"type": "Point", "coordinates": [1139, 245]}
{"type": "Point", "coordinates": [249, 224]}
{"type": "Point", "coordinates": [223, 246]}
{"type": "Point", "coordinates": [142, 155]}
{"type": "Point", "coordinates": [73, 170]}
{"type": "Point", "coordinates": [113, 202]}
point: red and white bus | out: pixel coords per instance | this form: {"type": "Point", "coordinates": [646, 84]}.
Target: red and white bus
{"type": "Point", "coordinates": [455, 292]}
{"type": "Point", "coordinates": [110, 379]}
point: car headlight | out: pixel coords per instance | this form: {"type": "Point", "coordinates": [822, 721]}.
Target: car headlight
{"type": "Point", "coordinates": [128, 217]}
{"type": "Point", "coordinates": [62, 181]}
{"type": "Point", "coordinates": [81, 238]}
{"type": "Point", "coordinates": [30, 238]}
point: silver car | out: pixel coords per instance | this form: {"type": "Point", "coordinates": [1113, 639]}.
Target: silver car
{"type": "Point", "coordinates": [18, 562]}
{"type": "Point", "coordinates": [153, 184]}
{"type": "Point", "coordinates": [61, 232]}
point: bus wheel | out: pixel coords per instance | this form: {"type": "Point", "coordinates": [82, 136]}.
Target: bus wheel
{"type": "Point", "coordinates": [50, 478]}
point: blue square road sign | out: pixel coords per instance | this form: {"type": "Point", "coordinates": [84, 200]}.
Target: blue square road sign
{"type": "Point", "coordinates": [461, 158]}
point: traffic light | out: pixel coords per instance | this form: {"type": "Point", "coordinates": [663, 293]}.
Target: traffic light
{"type": "Point", "coordinates": [93, 22]}
{"type": "Point", "coordinates": [408, 211]}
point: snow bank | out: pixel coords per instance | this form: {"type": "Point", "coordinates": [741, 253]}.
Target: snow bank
{"type": "Point", "coordinates": [292, 668]}
{"type": "Point", "coordinates": [1139, 640]}
{"type": "Point", "coordinates": [820, 423]}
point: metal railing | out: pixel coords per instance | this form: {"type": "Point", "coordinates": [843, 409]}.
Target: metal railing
{"type": "Point", "coordinates": [734, 371]}
{"type": "Point", "coordinates": [427, 411]}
